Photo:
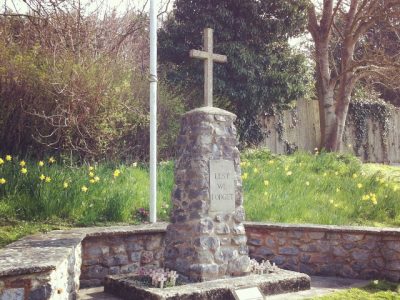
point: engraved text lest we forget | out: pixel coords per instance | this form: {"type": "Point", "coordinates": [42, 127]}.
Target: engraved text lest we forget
{"type": "Point", "coordinates": [222, 186]}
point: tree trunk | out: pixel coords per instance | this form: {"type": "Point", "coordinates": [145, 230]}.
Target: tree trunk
{"type": "Point", "coordinates": [326, 100]}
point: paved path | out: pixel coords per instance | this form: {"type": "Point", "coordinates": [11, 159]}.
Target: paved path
{"type": "Point", "coordinates": [319, 286]}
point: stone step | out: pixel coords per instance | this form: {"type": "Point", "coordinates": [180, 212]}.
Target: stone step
{"type": "Point", "coordinates": [319, 286]}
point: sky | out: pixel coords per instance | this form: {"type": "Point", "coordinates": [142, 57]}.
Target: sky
{"type": "Point", "coordinates": [120, 5]}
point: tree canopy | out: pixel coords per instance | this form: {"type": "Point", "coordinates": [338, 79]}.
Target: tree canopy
{"type": "Point", "coordinates": [355, 40]}
{"type": "Point", "coordinates": [262, 68]}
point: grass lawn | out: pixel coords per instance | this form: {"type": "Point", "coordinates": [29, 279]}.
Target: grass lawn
{"type": "Point", "coordinates": [324, 188]}
{"type": "Point", "coordinates": [12, 230]}
{"type": "Point", "coordinates": [376, 290]}
{"type": "Point", "coordinates": [321, 188]}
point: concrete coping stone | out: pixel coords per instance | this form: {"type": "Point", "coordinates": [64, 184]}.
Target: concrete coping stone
{"type": "Point", "coordinates": [212, 111]}
{"type": "Point", "coordinates": [44, 252]}
{"type": "Point", "coordinates": [159, 227]}
{"type": "Point", "coordinates": [330, 228]}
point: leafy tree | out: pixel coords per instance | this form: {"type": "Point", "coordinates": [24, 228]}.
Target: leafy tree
{"type": "Point", "coordinates": [354, 40]}
{"type": "Point", "coordinates": [262, 69]}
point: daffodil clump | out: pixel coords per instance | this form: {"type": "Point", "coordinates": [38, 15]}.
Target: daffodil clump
{"type": "Point", "coordinates": [46, 188]}
{"type": "Point", "coordinates": [324, 188]}
{"type": "Point", "coordinates": [317, 187]}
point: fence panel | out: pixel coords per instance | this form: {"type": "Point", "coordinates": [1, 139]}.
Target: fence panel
{"type": "Point", "coordinates": [299, 129]}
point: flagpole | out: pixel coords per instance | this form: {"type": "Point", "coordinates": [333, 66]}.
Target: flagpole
{"type": "Point", "coordinates": [153, 112]}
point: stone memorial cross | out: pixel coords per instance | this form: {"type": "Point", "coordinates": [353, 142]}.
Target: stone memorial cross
{"type": "Point", "coordinates": [209, 57]}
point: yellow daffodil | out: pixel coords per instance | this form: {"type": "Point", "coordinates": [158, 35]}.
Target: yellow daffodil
{"type": "Point", "coordinates": [42, 177]}
{"type": "Point", "coordinates": [96, 178]}
{"type": "Point", "coordinates": [1, 161]}
{"type": "Point", "coordinates": [244, 176]}
{"type": "Point", "coordinates": [116, 173]}
{"type": "Point", "coordinates": [289, 173]}
{"type": "Point", "coordinates": [374, 201]}
{"type": "Point", "coordinates": [8, 157]}
{"type": "Point", "coordinates": [365, 197]}
{"type": "Point", "coordinates": [134, 164]}
{"type": "Point", "coordinates": [307, 183]}
{"type": "Point", "coordinates": [3, 181]}
{"type": "Point", "coordinates": [41, 163]}
{"type": "Point", "coordinates": [255, 170]}
{"type": "Point", "coordinates": [52, 160]}
{"type": "Point", "coordinates": [47, 179]}
{"type": "Point", "coordinates": [355, 175]}
{"type": "Point", "coordinates": [24, 170]}
{"type": "Point", "coordinates": [337, 190]}
{"type": "Point", "coordinates": [22, 163]}
{"type": "Point", "coordinates": [359, 185]}
{"type": "Point", "coordinates": [266, 182]}
{"type": "Point", "coordinates": [92, 181]}
{"type": "Point", "coordinates": [287, 168]}
{"type": "Point", "coordinates": [91, 174]}
{"type": "Point", "coordinates": [84, 189]}
{"type": "Point", "coordinates": [91, 168]}
{"type": "Point", "coordinates": [331, 201]}
{"type": "Point", "coordinates": [65, 185]}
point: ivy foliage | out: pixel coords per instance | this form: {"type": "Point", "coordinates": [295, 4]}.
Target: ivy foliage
{"type": "Point", "coordinates": [262, 69]}
{"type": "Point", "coordinates": [367, 105]}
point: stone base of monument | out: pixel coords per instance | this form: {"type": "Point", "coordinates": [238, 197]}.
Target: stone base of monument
{"type": "Point", "coordinates": [127, 287]}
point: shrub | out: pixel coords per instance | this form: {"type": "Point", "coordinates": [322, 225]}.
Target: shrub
{"type": "Point", "coordinates": [93, 109]}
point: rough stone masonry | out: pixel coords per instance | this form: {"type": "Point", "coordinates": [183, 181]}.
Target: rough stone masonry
{"type": "Point", "coordinates": [206, 238]}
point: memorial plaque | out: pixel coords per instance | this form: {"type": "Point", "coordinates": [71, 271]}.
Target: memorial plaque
{"type": "Point", "coordinates": [222, 186]}
{"type": "Point", "coordinates": [252, 293]}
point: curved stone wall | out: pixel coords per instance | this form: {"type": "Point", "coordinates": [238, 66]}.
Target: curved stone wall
{"type": "Point", "coordinates": [50, 266]}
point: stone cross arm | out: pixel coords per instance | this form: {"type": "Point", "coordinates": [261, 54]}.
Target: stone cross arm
{"type": "Point", "coordinates": [209, 57]}
{"type": "Point", "coordinates": [205, 55]}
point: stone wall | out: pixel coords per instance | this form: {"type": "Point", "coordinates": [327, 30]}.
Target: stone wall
{"type": "Point", "coordinates": [41, 267]}
{"type": "Point", "coordinates": [119, 254]}
{"type": "Point", "coordinates": [48, 266]}
{"type": "Point", "coordinates": [353, 252]}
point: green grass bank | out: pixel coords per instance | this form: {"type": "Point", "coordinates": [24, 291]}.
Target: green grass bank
{"type": "Point", "coordinates": [320, 188]}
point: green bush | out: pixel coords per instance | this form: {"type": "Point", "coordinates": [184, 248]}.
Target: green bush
{"type": "Point", "coordinates": [94, 109]}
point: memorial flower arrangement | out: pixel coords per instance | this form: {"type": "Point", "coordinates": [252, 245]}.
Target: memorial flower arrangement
{"type": "Point", "coordinates": [159, 278]}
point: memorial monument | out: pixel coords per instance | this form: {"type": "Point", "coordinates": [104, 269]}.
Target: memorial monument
{"type": "Point", "coordinates": [206, 238]}
{"type": "Point", "coordinates": [205, 243]}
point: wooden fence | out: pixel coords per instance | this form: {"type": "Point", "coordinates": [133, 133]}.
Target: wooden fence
{"type": "Point", "coordinates": [299, 129]}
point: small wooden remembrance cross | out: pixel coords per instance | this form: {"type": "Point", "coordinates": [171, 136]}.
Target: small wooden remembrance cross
{"type": "Point", "coordinates": [209, 57]}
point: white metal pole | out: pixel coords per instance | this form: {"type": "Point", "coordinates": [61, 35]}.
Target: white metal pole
{"type": "Point", "coordinates": [153, 112]}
